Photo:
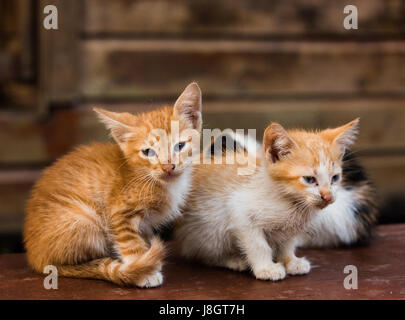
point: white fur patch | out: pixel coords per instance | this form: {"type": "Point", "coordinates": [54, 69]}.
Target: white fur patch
{"type": "Point", "coordinates": [336, 223]}
{"type": "Point", "coordinates": [177, 193]}
{"type": "Point", "coordinates": [237, 216]}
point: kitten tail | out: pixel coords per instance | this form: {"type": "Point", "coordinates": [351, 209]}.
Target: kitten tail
{"type": "Point", "coordinates": [109, 269]}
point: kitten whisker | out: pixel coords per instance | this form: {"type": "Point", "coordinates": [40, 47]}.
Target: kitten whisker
{"type": "Point", "coordinates": [136, 179]}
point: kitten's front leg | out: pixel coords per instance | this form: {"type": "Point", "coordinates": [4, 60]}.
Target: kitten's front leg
{"type": "Point", "coordinates": [259, 254]}
{"type": "Point", "coordinates": [293, 264]}
{"type": "Point", "coordinates": [132, 248]}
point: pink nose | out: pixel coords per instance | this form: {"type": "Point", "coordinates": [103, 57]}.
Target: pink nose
{"type": "Point", "coordinates": [168, 168]}
{"type": "Point", "coordinates": [327, 197]}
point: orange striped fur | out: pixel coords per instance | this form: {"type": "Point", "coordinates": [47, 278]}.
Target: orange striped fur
{"type": "Point", "coordinates": [93, 212]}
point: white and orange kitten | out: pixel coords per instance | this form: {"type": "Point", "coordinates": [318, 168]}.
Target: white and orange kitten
{"type": "Point", "coordinates": [255, 221]}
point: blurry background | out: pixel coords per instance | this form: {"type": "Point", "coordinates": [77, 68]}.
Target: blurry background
{"type": "Point", "coordinates": [256, 61]}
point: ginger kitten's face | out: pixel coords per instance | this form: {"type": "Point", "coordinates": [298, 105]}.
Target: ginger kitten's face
{"type": "Point", "coordinates": [308, 165]}
{"type": "Point", "coordinates": [159, 143]}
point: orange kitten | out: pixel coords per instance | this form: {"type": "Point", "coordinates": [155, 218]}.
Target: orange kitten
{"type": "Point", "coordinates": [240, 222]}
{"type": "Point", "coordinates": [93, 212]}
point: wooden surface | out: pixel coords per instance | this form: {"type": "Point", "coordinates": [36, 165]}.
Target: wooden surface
{"type": "Point", "coordinates": [58, 55]}
{"type": "Point", "coordinates": [212, 18]}
{"type": "Point", "coordinates": [381, 275]}
{"type": "Point", "coordinates": [128, 68]}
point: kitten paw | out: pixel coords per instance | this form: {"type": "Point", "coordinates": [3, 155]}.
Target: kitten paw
{"type": "Point", "coordinates": [235, 263]}
{"type": "Point", "coordinates": [298, 266]}
{"type": "Point", "coordinates": [275, 271]}
{"type": "Point", "coordinates": [153, 280]}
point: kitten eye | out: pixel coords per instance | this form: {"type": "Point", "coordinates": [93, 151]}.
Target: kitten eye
{"type": "Point", "coordinates": [335, 178]}
{"type": "Point", "coordinates": [149, 152]}
{"type": "Point", "coordinates": [179, 146]}
{"type": "Point", "coordinates": [309, 180]}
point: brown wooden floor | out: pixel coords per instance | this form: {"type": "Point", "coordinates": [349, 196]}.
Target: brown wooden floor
{"type": "Point", "coordinates": [381, 271]}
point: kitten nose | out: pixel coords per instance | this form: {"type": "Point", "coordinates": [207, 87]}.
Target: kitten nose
{"type": "Point", "coordinates": [168, 168]}
{"type": "Point", "coordinates": [326, 196]}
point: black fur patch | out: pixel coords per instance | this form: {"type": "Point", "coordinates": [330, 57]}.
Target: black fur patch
{"type": "Point", "coordinates": [224, 145]}
{"type": "Point", "coordinates": [355, 179]}
{"type": "Point", "coordinates": [353, 173]}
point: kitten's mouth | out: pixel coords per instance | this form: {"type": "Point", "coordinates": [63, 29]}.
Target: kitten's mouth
{"type": "Point", "coordinates": [168, 177]}
{"type": "Point", "coordinates": [324, 204]}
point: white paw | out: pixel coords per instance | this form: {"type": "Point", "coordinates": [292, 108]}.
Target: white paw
{"type": "Point", "coordinates": [298, 266]}
{"type": "Point", "coordinates": [275, 271]}
{"type": "Point", "coordinates": [237, 264]}
{"type": "Point", "coordinates": [153, 280]}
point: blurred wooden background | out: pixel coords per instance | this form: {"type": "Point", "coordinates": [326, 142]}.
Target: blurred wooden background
{"type": "Point", "coordinates": [256, 61]}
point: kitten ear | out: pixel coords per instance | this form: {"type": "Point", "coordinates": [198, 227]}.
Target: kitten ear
{"type": "Point", "coordinates": [188, 106]}
{"type": "Point", "coordinates": [276, 142]}
{"type": "Point", "coordinates": [343, 136]}
{"type": "Point", "coordinates": [114, 121]}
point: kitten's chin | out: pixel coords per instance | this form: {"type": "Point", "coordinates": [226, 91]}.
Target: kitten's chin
{"type": "Point", "coordinates": [322, 205]}
{"type": "Point", "coordinates": [168, 178]}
